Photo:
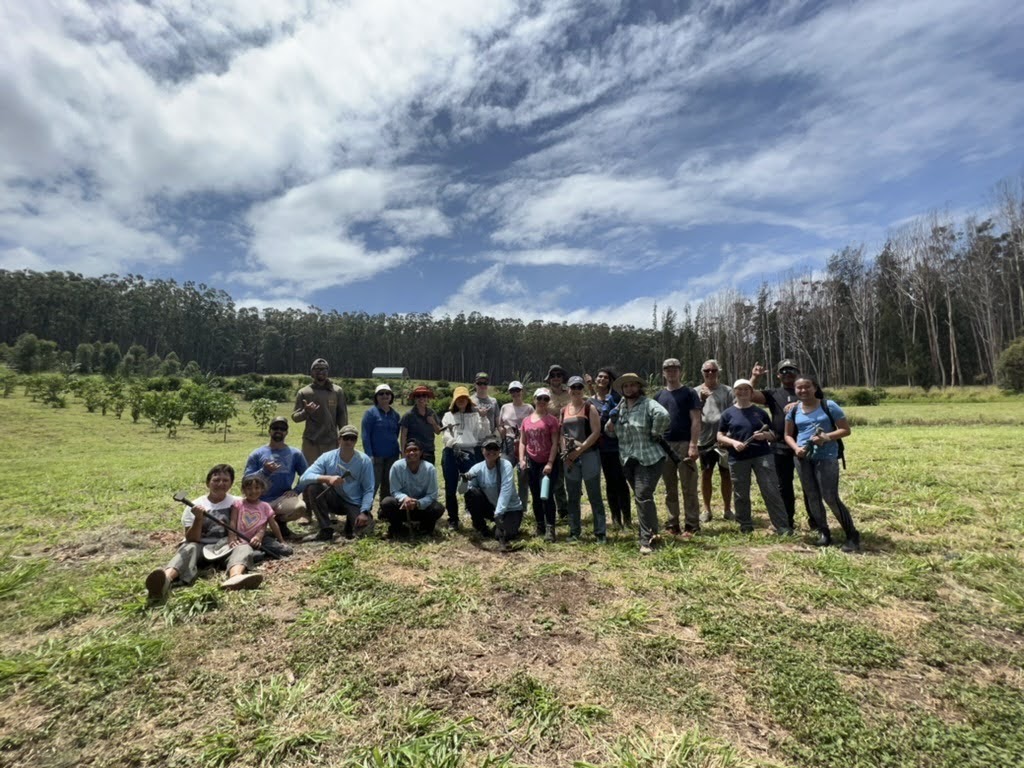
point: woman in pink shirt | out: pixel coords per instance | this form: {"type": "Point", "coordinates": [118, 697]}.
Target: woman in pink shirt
{"type": "Point", "coordinates": [538, 448]}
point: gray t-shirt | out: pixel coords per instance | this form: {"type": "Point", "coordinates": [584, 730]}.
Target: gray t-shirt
{"type": "Point", "coordinates": [716, 403]}
{"type": "Point", "coordinates": [490, 405]}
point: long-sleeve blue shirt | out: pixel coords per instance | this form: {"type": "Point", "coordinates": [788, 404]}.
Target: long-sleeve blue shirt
{"type": "Point", "coordinates": [421, 484]}
{"type": "Point", "coordinates": [503, 494]}
{"type": "Point", "coordinates": [357, 489]}
{"type": "Point", "coordinates": [380, 433]}
{"type": "Point", "coordinates": [292, 462]}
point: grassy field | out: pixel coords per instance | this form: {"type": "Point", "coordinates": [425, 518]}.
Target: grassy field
{"type": "Point", "coordinates": [722, 651]}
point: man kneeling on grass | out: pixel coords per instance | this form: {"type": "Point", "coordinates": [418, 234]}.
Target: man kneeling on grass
{"type": "Point", "coordinates": [204, 526]}
{"type": "Point", "coordinates": [491, 495]}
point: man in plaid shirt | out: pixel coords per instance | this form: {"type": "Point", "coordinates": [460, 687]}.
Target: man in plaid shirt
{"type": "Point", "coordinates": [638, 422]}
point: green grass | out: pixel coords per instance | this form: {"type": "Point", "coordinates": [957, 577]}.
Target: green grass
{"type": "Point", "coordinates": [725, 651]}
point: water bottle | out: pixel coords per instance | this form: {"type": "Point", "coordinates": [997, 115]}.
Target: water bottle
{"type": "Point", "coordinates": [545, 488]}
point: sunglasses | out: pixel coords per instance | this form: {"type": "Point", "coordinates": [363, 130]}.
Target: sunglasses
{"type": "Point", "coordinates": [348, 438]}
{"type": "Point", "coordinates": [421, 397]}
{"type": "Point", "coordinates": [491, 449]}
{"type": "Point", "coordinates": [543, 398]}
{"type": "Point", "coordinates": [710, 370]}
{"type": "Point", "coordinates": [576, 386]}
{"type": "Point", "coordinates": [513, 391]}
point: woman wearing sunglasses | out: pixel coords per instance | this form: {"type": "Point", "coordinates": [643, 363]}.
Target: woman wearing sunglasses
{"type": "Point", "coordinates": [581, 428]}
{"type": "Point", "coordinates": [538, 448]}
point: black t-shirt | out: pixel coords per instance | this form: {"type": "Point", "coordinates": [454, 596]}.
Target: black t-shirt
{"type": "Point", "coordinates": [739, 424]}
{"type": "Point", "coordinates": [679, 403]}
{"type": "Point", "coordinates": [776, 401]}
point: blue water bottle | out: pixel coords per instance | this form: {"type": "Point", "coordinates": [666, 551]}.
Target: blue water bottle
{"type": "Point", "coordinates": [545, 488]}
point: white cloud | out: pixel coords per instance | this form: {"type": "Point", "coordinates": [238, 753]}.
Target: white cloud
{"type": "Point", "coordinates": [305, 240]}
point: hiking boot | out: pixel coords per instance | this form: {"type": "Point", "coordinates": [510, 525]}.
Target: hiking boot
{"type": "Point", "coordinates": [242, 581]}
{"type": "Point", "coordinates": [158, 585]}
{"type": "Point", "coordinates": [453, 525]}
{"type": "Point", "coordinates": [729, 515]}
{"type": "Point", "coordinates": [549, 534]}
{"type": "Point", "coordinates": [824, 540]}
{"type": "Point", "coordinates": [323, 535]}
{"type": "Point", "coordinates": [784, 532]}
{"type": "Point", "coordinates": [705, 516]}
{"type": "Point", "coordinates": [499, 534]}
{"type": "Point", "coordinates": [852, 544]}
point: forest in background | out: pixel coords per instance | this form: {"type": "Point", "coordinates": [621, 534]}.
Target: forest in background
{"type": "Point", "coordinates": [934, 307]}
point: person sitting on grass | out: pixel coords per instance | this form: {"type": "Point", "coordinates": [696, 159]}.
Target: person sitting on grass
{"type": "Point", "coordinates": [745, 431]}
{"type": "Point", "coordinates": [348, 475]}
{"type": "Point", "coordinates": [250, 518]}
{"type": "Point", "coordinates": [204, 525]}
{"type": "Point", "coordinates": [491, 495]}
{"type": "Point", "coordinates": [280, 465]}
{"type": "Point", "coordinates": [412, 507]}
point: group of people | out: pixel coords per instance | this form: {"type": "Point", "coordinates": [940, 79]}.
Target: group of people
{"type": "Point", "coordinates": [545, 453]}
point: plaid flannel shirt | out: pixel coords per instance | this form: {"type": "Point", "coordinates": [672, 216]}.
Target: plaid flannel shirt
{"type": "Point", "coordinates": [636, 429]}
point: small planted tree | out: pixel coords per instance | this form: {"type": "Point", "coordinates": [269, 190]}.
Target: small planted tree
{"type": "Point", "coordinates": [165, 410]}
{"type": "Point", "coordinates": [262, 411]}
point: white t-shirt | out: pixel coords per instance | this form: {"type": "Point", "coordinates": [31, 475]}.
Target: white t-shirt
{"type": "Point", "coordinates": [218, 513]}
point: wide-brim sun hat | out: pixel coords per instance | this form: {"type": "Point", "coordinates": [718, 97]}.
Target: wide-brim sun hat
{"type": "Point", "coordinates": [422, 390]}
{"type": "Point", "coordinates": [460, 392]}
{"type": "Point", "coordinates": [383, 388]}
{"type": "Point", "coordinates": [553, 369]}
{"type": "Point", "coordinates": [627, 378]}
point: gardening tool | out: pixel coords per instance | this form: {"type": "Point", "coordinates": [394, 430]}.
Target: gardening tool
{"type": "Point", "coordinates": [761, 431]}
{"type": "Point", "coordinates": [219, 552]}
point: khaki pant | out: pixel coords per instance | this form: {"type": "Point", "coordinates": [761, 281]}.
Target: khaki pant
{"type": "Point", "coordinates": [290, 508]}
{"type": "Point", "coordinates": [686, 474]}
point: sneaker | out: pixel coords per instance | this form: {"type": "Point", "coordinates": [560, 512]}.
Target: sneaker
{"type": "Point", "coordinates": [705, 516]}
{"type": "Point", "coordinates": [573, 539]}
{"type": "Point", "coordinates": [602, 539]}
{"type": "Point", "coordinates": [646, 550]}
{"type": "Point", "coordinates": [242, 581]}
{"type": "Point", "coordinates": [729, 515]}
{"type": "Point", "coordinates": [824, 540]}
{"type": "Point", "coordinates": [549, 534]}
{"type": "Point", "coordinates": [746, 531]}
{"type": "Point", "coordinates": [851, 545]}
{"type": "Point", "coordinates": [158, 585]}
{"type": "Point", "coordinates": [453, 525]}
{"type": "Point", "coordinates": [784, 532]}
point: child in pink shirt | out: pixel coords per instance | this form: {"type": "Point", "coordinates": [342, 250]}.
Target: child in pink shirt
{"type": "Point", "coordinates": [250, 517]}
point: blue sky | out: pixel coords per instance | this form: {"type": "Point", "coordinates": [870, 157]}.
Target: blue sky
{"type": "Point", "coordinates": [557, 160]}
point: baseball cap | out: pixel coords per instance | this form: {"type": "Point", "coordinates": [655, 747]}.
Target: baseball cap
{"type": "Point", "coordinates": [672, 362]}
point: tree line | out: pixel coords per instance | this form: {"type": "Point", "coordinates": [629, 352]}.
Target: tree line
{"type": "Point", "coordinates": [934, 306]}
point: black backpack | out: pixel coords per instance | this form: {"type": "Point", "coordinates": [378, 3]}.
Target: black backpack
{"type": "Point", "coordinates": [839, 442]}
